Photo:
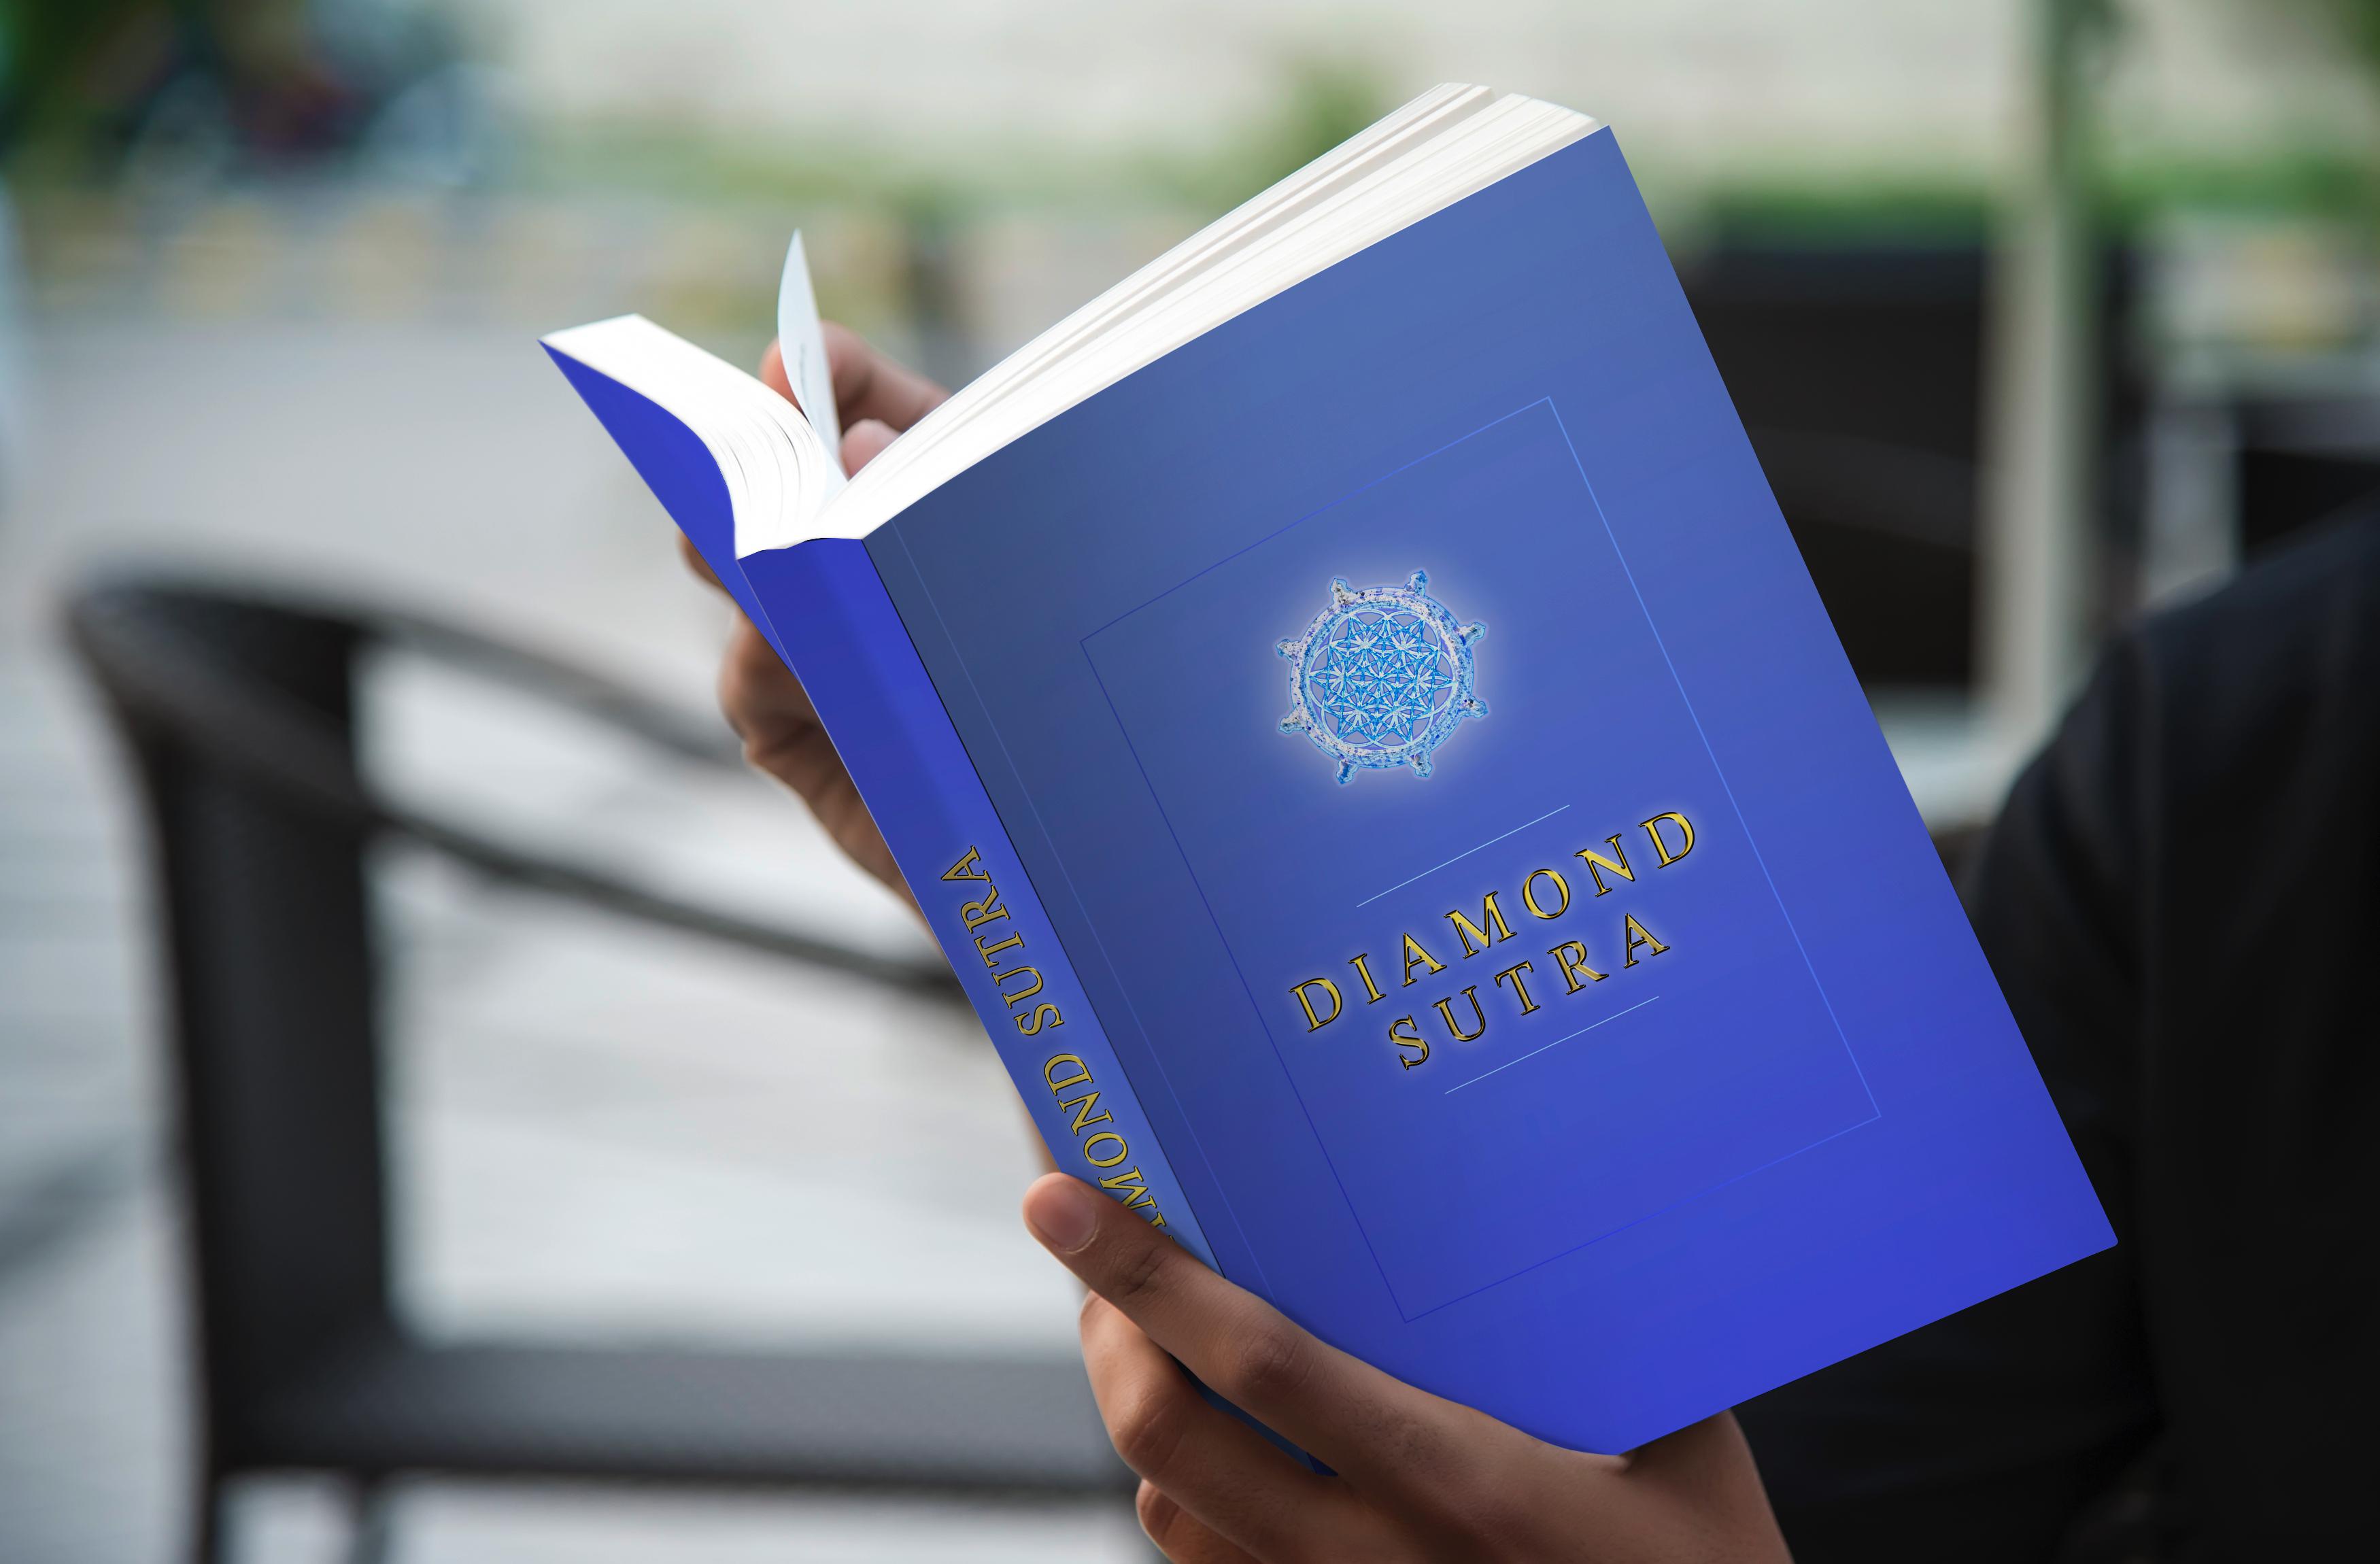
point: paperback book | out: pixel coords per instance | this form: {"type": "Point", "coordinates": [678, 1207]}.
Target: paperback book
{"type": "Point", "coordinates": [1350, 709]}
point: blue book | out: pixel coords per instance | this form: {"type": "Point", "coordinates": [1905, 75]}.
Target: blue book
{"type": "Point", "coordinates": [1352, 712]}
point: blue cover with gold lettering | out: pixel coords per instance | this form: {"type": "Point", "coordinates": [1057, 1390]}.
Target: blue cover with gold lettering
{"type": "Point", "coordinates": [1407, 708]}
{"type": "Point", "coordinates": [1792, 1121]}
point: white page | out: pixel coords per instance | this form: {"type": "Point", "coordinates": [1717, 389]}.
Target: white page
{"type": "Point", "coordinates": [802, 342]}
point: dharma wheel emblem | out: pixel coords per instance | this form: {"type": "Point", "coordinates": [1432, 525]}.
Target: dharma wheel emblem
{"type": "Point", "coordinates": [1382, 677]}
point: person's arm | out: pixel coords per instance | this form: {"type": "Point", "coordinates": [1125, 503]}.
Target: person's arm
{"type": "Point", "coordinates": [763, 702]}
{"type": "Point", "coordinates": [1415, 1477]}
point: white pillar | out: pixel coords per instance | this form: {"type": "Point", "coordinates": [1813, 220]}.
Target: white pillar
{"type": "Point", "coordinates": [2041, 434]}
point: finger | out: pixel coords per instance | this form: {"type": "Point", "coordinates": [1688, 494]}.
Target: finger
{"type": "Point", "coordinates": [1182, 1536]}
{"type": "Point", "coordinates": [772, 714]}
{"type": "Point", "coordinates": [869, 385]}
{"type": "Point", "coordinates": [1376, 1430]}
{"type": "Point", "coordinates": [863, 441]}
{"type": "Point", "coordinates": [1709, 1464]}
{"type": "Point", "coordinates": [1707, 1472]}
{"type": "Point", "coordinates": [695, 561]}
{"type": "Point", "coordinates": [758, 692]}
{"type": "Point", "coordinates": [1205, 1460]}
{"type": "Point", "coordinates": [773, 375]}
{"type": "Point", "coordinates": [777, 378]}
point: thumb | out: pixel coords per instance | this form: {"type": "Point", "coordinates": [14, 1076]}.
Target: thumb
{"type": "Point", "coordinates": [863, 441]}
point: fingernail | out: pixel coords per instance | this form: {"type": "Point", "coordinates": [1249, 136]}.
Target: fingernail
{"type": "Point", "coordinates": [1061, 1213]}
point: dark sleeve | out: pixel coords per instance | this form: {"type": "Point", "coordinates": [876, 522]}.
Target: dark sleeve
{"type": "Point", "coordinates": [1983, 1436]}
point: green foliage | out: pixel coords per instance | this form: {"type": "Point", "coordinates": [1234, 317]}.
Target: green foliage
{"type": "Point", "coordinates": [1870, 211]}
{"type": "Point", "coordinates": [2361, 20]}
{"type": "Point", "coordinates": [1328, 100]}
{"type": "Point", "coordinates": [1324, 102]}
{"type": "Point", "coordinates": [61, 65]}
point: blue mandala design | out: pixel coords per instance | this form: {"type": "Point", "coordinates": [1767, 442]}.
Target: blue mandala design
{"type": "Point", "coordinates": [1382, 677]}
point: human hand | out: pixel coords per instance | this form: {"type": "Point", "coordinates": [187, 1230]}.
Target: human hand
{"type": "Point", "coordinates": [764, 703]}
{"type": "Point", "coordinates": [1418, 1477]}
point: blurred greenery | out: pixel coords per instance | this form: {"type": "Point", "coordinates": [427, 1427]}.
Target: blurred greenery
{"type": "Point", "coordinates": [1322, 103]}
{"type": "Point", "coordinates": [262, 83]}
{"type": "Point", "coordinates": [53, 54]}
{"type": "Point", "coordinates": [78, 76]}
{"type": "Point", "coordinates": [1325, 102]}
{"type": "Point", "coordinates": [2362, 20]}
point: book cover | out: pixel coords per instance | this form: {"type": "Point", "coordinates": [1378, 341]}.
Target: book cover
{"type": "Point", "coordinates": [1428, 806]}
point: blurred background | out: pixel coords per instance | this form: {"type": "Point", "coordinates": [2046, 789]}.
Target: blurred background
{"type": "Point", "coordinates": [2039, 312]}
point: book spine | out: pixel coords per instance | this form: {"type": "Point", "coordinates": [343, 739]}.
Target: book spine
{"type": "Point", "coordinates": [677, 467]}
{"type": "Point", "coordinates": [844, 640]}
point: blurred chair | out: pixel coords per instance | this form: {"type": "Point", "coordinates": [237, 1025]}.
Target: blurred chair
{"type": "Point", "coordinates": [237, 710]}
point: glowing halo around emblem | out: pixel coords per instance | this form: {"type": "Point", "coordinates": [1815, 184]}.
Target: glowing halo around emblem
{"type": "Point", "coordinates": [1382, 677]}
